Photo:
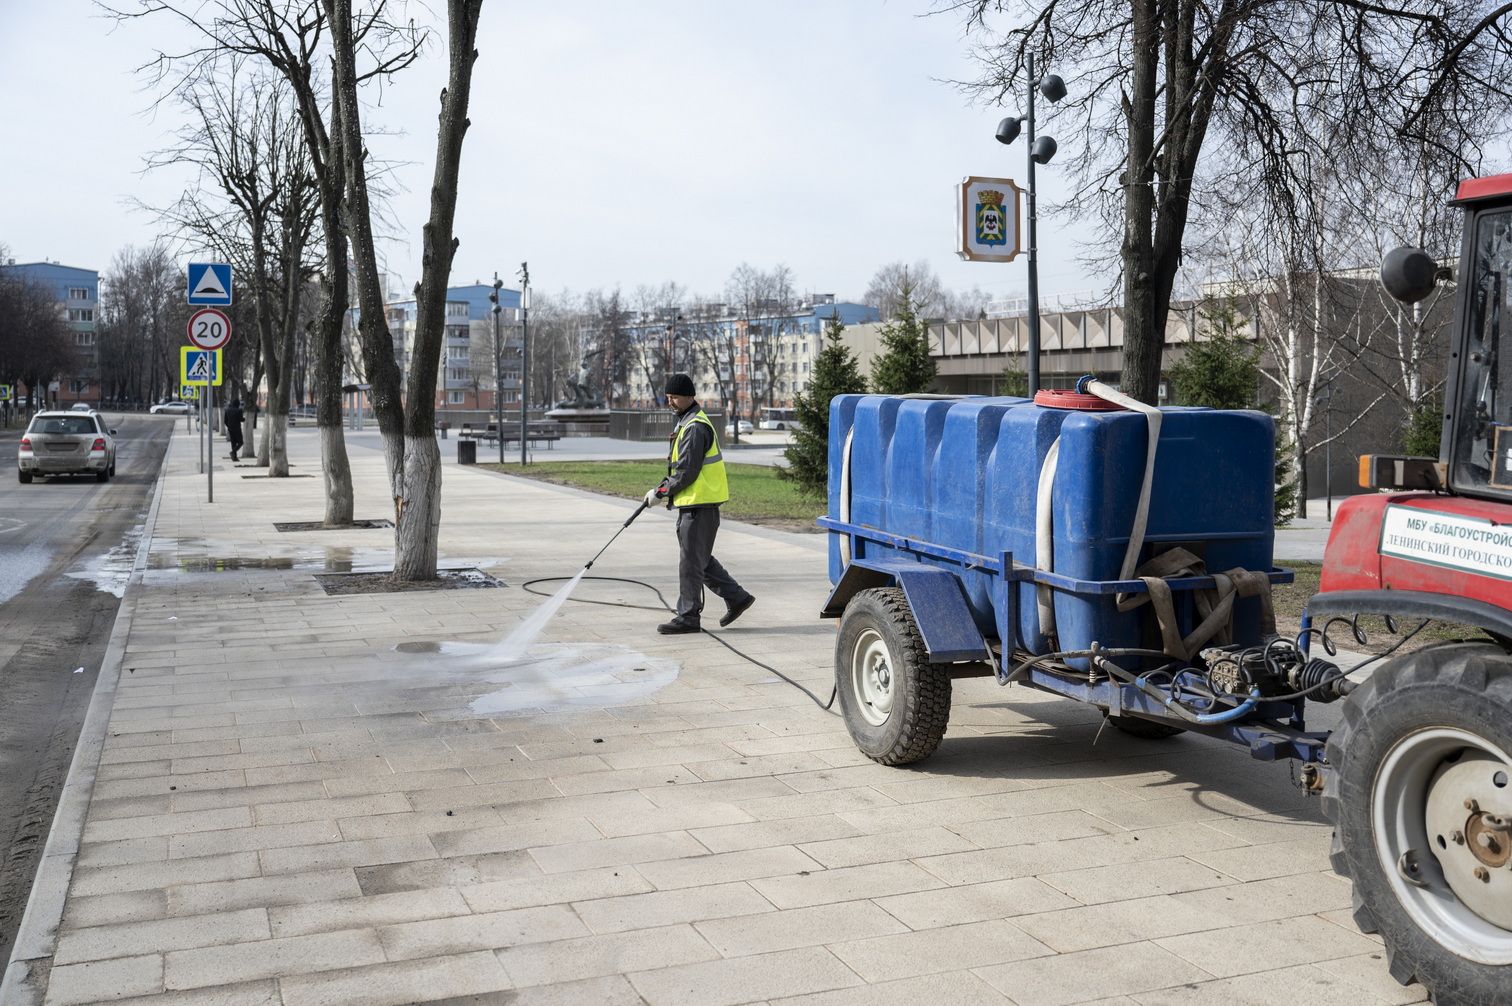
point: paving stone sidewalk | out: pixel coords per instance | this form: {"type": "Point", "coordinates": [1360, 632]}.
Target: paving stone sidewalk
{"type": "Point", "coordinates": [306, 799]}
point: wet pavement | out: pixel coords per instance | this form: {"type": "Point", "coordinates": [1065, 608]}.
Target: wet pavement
{"type": "Point", "coordinates": [289, 798]}
{"type": "Point", "coordinates": [66, 549]}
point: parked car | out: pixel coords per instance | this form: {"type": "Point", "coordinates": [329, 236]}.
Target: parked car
{"type": "Point", "coordinates": [174, 408]}
{"type": "Point", "coordinates": [80, 407]}
{"type": "Point", "coordinates": [66, 443]}
{"type": "Point", "coordinates": [744, 426]}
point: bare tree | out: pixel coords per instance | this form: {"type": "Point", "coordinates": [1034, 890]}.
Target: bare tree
{"type": "Point", "coordinates": [255, 205]}
{"type": "Point", "coordinates": [36, 344]}
{"type": "Point", "coordinates": [290, 36]}
{"type": "Point", "coordinates": [653, 347]}
{"type": "Point", "coordinates": [367, 44]}
{"type": "Point", "coordinates": [140, 325]}
{"type": "Point", "coordinates": [1152, 78]}
{"type": "Point", "coordinates": [885, 291]}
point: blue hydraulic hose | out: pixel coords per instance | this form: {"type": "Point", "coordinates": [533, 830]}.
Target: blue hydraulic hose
{"type": "Point", "coordinates": [1243, 709]}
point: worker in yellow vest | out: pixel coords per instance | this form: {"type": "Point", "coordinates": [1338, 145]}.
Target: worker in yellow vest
{"type": "Point", "coordinates": [696, 486]}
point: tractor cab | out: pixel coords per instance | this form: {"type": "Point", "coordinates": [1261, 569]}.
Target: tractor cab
{"type": "Point", "coordinates": [1478, 422]}
{"type": "Point", "coordinates": [1443, 547]}
{"type": "Point", "coordinates": [1476, 453]}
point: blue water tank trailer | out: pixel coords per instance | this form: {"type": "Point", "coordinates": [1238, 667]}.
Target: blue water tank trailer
{"type": "Point", "coordinates": [976, 535]}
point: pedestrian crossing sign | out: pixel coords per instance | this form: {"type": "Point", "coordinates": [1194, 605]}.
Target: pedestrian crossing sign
{"type": "Point", "coordinates": [188, 391]}
{"type": "Point", "coordinates": [199, 366]}
{"type": "Point", "coordinates": [5, 392]}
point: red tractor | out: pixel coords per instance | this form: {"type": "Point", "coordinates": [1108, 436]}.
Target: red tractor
{"type": "Point", "coordinates": [1418, 780]}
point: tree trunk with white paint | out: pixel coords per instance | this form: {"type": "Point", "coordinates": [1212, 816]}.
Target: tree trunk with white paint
{"type": "Point", "coordinates": [419, 493]}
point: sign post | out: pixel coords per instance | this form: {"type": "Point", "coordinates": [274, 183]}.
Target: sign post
{"type": "Point", "coordinates": [202, 368]}
{"type": "Point", "coordinates": [209, 330]}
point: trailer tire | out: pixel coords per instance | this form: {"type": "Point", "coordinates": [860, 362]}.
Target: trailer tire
{"type": "Point", "coordinates": [1147, 729]}
{"type": "Point", "coordinates": [896, 703]}
{"type": "Point", "coordinates": [1413, 740]}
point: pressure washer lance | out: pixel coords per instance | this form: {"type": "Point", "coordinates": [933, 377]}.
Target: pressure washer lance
{"type": "Point", "coordinates": [644, 505]}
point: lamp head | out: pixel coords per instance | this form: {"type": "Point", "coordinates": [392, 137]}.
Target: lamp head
{"type": "Point", "coordinates": [1044, 148]}
{"type": "Point", "coordinates": [1052, 87]}
{"type": "Point", "coordinates": [1008, 129]}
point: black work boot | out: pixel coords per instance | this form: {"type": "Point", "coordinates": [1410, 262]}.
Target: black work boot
{"type": "Point", "coordinates": [736, 608]}
{"type": "Point", "coordinates": [679, 625]}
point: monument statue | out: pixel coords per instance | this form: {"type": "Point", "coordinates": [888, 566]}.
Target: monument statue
{"type": "Point", "coordinates": [579, 386]}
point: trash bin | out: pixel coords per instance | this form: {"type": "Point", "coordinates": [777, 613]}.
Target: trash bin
{"type": "Point", "coordinates": [467, 452]}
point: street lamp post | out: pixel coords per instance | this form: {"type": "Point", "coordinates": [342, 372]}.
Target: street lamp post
{"type": "Point", "coordinates": [498, 351]}
{"type": "Point", "coordinates": [1040, 152]}
{"type": "Point", "coordinates": [524, 358]}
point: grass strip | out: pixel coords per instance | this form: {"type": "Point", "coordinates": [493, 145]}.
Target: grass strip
{"type": "Point", "coordinates": [755, 490]}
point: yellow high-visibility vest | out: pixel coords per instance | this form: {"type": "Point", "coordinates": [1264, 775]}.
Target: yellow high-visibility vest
{"type": "Point", "coordinates": [711, 486]}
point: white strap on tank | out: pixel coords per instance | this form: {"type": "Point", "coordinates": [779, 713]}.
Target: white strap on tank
{"type": "Point", "coordinates": [1044, 537]}
{"type": "Point", "coordinates": [845, 497]}
{"type": "Point", "coordinates": [1142, 512]}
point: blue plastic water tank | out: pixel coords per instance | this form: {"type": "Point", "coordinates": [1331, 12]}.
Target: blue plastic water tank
{"type": "Point", "coordinates": [964, 474]}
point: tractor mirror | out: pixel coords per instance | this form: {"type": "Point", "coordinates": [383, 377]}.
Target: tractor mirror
{"type": "Point", "coordinates": [1408, 274]}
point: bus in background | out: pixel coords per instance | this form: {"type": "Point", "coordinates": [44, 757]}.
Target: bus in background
{"type": "Point", "coordinates": [779, 419]}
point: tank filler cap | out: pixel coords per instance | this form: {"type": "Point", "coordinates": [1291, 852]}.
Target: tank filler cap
{"type": "Point", "coordinates": [1067, 399]}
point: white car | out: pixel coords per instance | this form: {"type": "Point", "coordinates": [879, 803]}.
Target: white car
{"type": "Point", "coordinates": [171, 409]}
{"type": "Point", "coordinates": [66, 443]}
{"type": "Point", "coordinates": [744, 426]}
{"type": "Point", "coordinates": [80, 407]}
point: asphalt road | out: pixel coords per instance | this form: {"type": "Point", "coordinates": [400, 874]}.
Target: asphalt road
{"type": "Point", "coordinates": [66, 545]}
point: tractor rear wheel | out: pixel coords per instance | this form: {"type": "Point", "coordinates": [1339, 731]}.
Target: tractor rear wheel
{"type": "Point", "coordinates": [895, 702]}
{"type": "Point", "coordinates": [1421, 800]}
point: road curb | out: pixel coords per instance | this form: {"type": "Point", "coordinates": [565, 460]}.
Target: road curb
{"type": "Point", "coordinates": [37, 938]}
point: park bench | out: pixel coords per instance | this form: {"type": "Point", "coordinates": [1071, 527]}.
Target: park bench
{"type": "Point", "coordinates": [547, 433]}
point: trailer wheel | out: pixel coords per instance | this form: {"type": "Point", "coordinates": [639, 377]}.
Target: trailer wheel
{"type": "Point", "coordinates": [895, 702]}
{"type": "Point", "coordinates": [1147, 729]}
{"type": "Point", "coordinates": [1421, 802]}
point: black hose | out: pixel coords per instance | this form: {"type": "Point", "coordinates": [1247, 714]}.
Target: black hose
{"type": "Point", "coordinates": [526, 586]}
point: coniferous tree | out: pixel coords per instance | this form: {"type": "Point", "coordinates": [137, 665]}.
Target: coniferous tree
{"type": "Point", "coordinates": [904, 366]}
{"type": "Point", "coordinates": [1425, 427]}
{"type": "Point", "coordinates": [836, 372]}
{"type": "Point", "coordinates": [1224, 371]}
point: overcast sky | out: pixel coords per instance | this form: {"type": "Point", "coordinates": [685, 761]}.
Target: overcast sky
{"type": "Point", "coordinates": [612, 143]}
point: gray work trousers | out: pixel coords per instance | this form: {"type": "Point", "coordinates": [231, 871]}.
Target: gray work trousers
{"type": "Point", "coordinates": [696, 565]}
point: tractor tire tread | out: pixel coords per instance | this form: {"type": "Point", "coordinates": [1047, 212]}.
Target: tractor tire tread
{"type": "Point", "coordinates": [1475, 673]}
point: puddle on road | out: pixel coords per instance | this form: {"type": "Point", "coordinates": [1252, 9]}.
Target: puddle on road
{"type": "Point", "coordinates": [187, 556]}
{"type": "Point", "coordinates": [198, 555]}
{"type": "Point", "coordinates": [111, 571]}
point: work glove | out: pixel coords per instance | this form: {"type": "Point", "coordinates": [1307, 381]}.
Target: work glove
{"type": "Point", "coordinates": [654, 496]}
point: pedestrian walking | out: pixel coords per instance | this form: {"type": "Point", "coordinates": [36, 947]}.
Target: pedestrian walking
{"type": "Point", "coordinates": [696, 485]}
{"type": "Point", "coordinates": [232, 417]}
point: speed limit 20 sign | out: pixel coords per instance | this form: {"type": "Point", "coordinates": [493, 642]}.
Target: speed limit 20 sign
{"type": "Point", "coordinates": [209, 329]}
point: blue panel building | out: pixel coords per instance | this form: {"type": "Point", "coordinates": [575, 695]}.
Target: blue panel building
{"type": "Point", "coordinates": [77, 293]}
{"type": "Point", "coordinates": [466, 380]}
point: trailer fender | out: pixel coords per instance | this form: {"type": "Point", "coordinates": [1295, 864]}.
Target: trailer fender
{"type": "Point", "coordinates": [935, 597]}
